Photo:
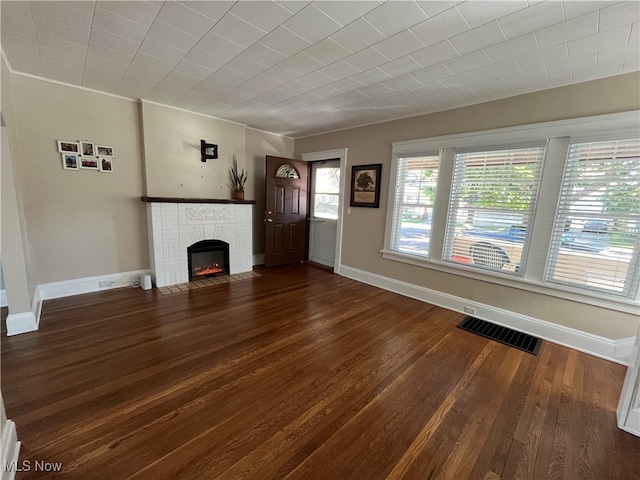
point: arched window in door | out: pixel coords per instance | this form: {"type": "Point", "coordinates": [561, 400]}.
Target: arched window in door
{"type": "Point", "coordinates": [287, 171]}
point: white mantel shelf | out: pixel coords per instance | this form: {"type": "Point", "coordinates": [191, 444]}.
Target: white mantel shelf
{"type": "Point", "coordinates": [174, 224]}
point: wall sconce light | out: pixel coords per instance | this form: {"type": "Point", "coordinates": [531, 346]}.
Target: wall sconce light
{"type": "Point", "coordinates": [208, 150]}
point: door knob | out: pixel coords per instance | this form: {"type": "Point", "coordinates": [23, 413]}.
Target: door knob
{"type": "Point", "coordinates": [269, 212]}
{"type": "Point", "coordinates": [269, 220]}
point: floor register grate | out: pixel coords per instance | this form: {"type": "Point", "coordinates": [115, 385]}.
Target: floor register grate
{"type": "Point", "coordinates": [507, 336]}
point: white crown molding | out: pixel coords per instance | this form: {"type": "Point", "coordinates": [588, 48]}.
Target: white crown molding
{"type": "Point", "coordinates": [142, 100]}
{"type": "Point", "coordinates": [270, 133]}
{"type": "Point", "coordinates": [615, 350]}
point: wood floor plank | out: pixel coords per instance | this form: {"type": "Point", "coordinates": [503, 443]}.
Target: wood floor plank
{"type": "Point", "coordinates": [301, 374]}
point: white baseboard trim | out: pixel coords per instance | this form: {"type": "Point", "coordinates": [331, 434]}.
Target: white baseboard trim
{"type": "Point", "coordinates": [617, 351]}
{"type": "Point", "coordinates": [632, 425]}
{"type": "Point", "coordinates": [3, 298]}
{"type": "Point", "coordinates": [78, 286]}
{"type": "Point", "coordinates": [258, 259]}
{"type": "Point", "coordinates": [21, 323]}
{"type": "Point", "coordinates": [10, 451]}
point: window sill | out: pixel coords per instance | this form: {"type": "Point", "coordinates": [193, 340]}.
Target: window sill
{"type": "Point", "coordinates": [599, 300]}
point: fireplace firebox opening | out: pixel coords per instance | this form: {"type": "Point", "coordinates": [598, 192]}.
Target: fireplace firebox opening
{"type": "Point", "coordinates": [208, 258]}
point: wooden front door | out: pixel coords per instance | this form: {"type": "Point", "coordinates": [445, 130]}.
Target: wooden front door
{"type": "Point", "coordinates": [286, 211]}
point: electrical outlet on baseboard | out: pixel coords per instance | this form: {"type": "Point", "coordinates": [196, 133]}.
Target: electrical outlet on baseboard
{"type": "Point", "coordinates": [470, 310]}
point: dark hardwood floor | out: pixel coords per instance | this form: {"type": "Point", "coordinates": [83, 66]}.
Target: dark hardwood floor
{"type": "Point", "coordinates": [301, 374]}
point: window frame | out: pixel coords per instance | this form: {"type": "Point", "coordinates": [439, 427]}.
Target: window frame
{"type": "Point", "coordinates": [556, 133]}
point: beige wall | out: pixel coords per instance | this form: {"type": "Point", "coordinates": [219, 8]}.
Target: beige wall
{"type": "Point", "coordinates": [260, 144]}
{"type": "Point", "coordinates": [172, 153]}
{"type": "Point", "coordinates": [363, 229]}
{"type": "Point", "coordinates": [81, 223]}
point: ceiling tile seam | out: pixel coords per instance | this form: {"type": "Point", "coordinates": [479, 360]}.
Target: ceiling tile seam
{"type": "Point", "coordinates": [186, 5]}
{"type": "Point", "coordinates": [84, 69]}
{"type": "Point", "coordinates": [118, 15]}
{"type": "Point", "coordinates": [140, 46]}
{"type": "Point", "coordinates": [35, 30]}
{"type": "Point", "coordinates": [464, 18]}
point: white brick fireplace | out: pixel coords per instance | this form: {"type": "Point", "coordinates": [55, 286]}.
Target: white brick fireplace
{"type": "Point", "coordinates": [174, 226]}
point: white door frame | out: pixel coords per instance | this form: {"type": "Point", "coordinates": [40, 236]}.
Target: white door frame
{"type": "Point", "coordinates": [341, 154]}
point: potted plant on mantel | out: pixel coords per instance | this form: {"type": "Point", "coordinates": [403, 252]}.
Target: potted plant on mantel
{"type": "Point", "coordinates": [238, 179]}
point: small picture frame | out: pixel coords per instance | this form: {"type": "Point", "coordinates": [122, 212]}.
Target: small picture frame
{"type": "Point", "coordinates": [106, 164]}
{"type": "Point", "coordinates": [89, 163]}
{"type": "Point", "coordinates": [104, 151]}
{"type": "Point", "coordinates": [70, 161]}
{"type": "Point", "coordinates": [365, 185]}
{"type": "Point", "coordinates": [87, 149]}
{"type": "Point", "coordinates": [68, 147]}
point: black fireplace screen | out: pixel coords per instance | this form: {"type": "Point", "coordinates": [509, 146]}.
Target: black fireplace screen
{"type": "Point", "coordinates": [208, 258]}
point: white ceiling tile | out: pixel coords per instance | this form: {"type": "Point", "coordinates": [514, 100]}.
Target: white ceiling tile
{"type": "Point", "coordinates": [193, 69]}
{"type": "Point", "coordinates": [566, 31]}
{"type": "Point", "coordinates": [284, 41]}
{"type": "Point", "coordinates": [293, 6]}
{"type": "Point", "coordinates": [311, 24]}
{"type": "Point", "coordinates": [153, 63]}
{"type": "Point", "coordinates": [480, 12]}
{"type": "Point", "coordinates": [192, 100]}
{"type": "Point", "coordinates": [498, 69]}
{"type": "Point", "coordinates": [327, 51]}
{"type": "Point", "coordinates": [135, 86]}
{"type": "Point", "coordinates": [219, 46]}
{"type": "Point", "coordinates": [237, 30]}
{"type": "Point", "coordinates": [167, 91]}
{"type": "Point", "coordinates": [370, 77]}
{"type": "Point", "coordinates": [468, 62]}
{"type": "Point", "coordinates": [480, 37]}
{"type": "Point", "coordinates": [258, 84]}
{"type": "Point", "coordinates": [302, 63]}
{"type": "Point", "coordinates": [266, 15]}
{"type": "Point", "coordinates": [146, 72]}
{"type": "Point", "coordinates": [205, 58]}
{"type": "Point", "coordinates": [537, 74]}
{"type": "Point", "coordinates": [62, 73]}
{"type": "Point", "coordinates": [213, 10]}
{"type": "Point", "coordinates": [619, 15]}
{"type": "Point", "coordinates": [533, 18]}
{"type": "Point", "coordinates": [187, 81]}
{"type": "Point", "coordinates": [165, 33]}
{"type": "Point", "coordinates": [316, 79]}
{"type": "Point", "coordinates": [263, 55]}
{"type": "Point", "coordinates": [401, 83]}
{"type": "Point", "coordinates": [339, 70]}
{"type": "Point", "coordinates": [143, 13]}
{"type": "Point", "coordinates": [434, 7]}
{"type": "Point", "coordinates": [374, 90]}
{"type": "Point", "coordinates": [573, 8]}
{"type": "Point", "coordinates": [297, 87]}
{"type": "Point", "coordinates": [393, 17]}
{"type": "Point", "coordinates": [23, 52]}
{"type": "Point", "coordinates": [54, 12]}
{"type": "Point", "coordinates": [243, 65]}
{"type": "Point", "coordinates": [16, 10]}
{"type": "Point", "coordinates": [68, 48]}
{"type": "Point", "coordinates": [431, 74]}
{"type": "Point", "coordinates": [602, 41]}
{"type": "Point", "coordinates": [345, 12]}
{"type": "Point", "coordinates": [357, 35]}
{"type": "Point", "coordinates": [399, 45]}
{"type": "Point", "coordinates": [160, 50]}
{"type": "Point", "coordinates": [346, 85]}
{"type": "Point", "coordinates": [96, 81]}
{"type": "Point", "coordinates": [562, 69]}
{"type": "Point", "coordinates": [401, 66]}
{"type": "Point", "coordinates": [231, 76]}
{"type": "Point", "coordinates": [352, 97]}
{"type": "Point", "coordinates": [441, 27]}
{"type": "Point", "coordinates": [21, 26]}
{"type": "Point", "coordinates": [112, 56]}
{"type": "Point", "coordinates": [120, 26]}
{"type": "Point", "coordinates": [428, 89]}
{"type": "Point", "coordinates": [548, 55]}
{"type": "Point", "coordinates": [64, 32]}
{"type": "Point", "coordinates": [438, 53]}
{"type": "Point", "coordinates": [282, 73]}
{"type": "Point", "coordinates": [366, 59]}
{"type": "Point", "coordinates": [61, 58]}
{"type": "Point", "coordinates": [106, 67]}
{"type": "Point", "coordinates": [513, 48]}
{"type": "Point", "coordinates": [460, 80]}
{"type": "Point", "coordinates": [185, 19]}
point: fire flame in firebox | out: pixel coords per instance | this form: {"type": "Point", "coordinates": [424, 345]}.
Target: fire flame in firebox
{"type": "Point", "coordinates": [208, 269]}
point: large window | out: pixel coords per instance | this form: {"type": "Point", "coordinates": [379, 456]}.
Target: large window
{"type": "Point", "coordinates": [491, 207]}
{"type": "Point", "coordinates": [417, 179]}
{"type": "Point", "coordinates": [595, 243]}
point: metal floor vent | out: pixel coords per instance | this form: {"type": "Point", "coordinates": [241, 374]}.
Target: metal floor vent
{"type": "Point", "coordinates": [507, 336]}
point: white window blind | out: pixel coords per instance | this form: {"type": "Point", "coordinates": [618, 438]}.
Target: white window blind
{"type": "Point", "coordinates": [416, 182]}
{"type": "Point", "coordinates": [491, 208]}
{"type": "Point", "coordinates": [595, 240]}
